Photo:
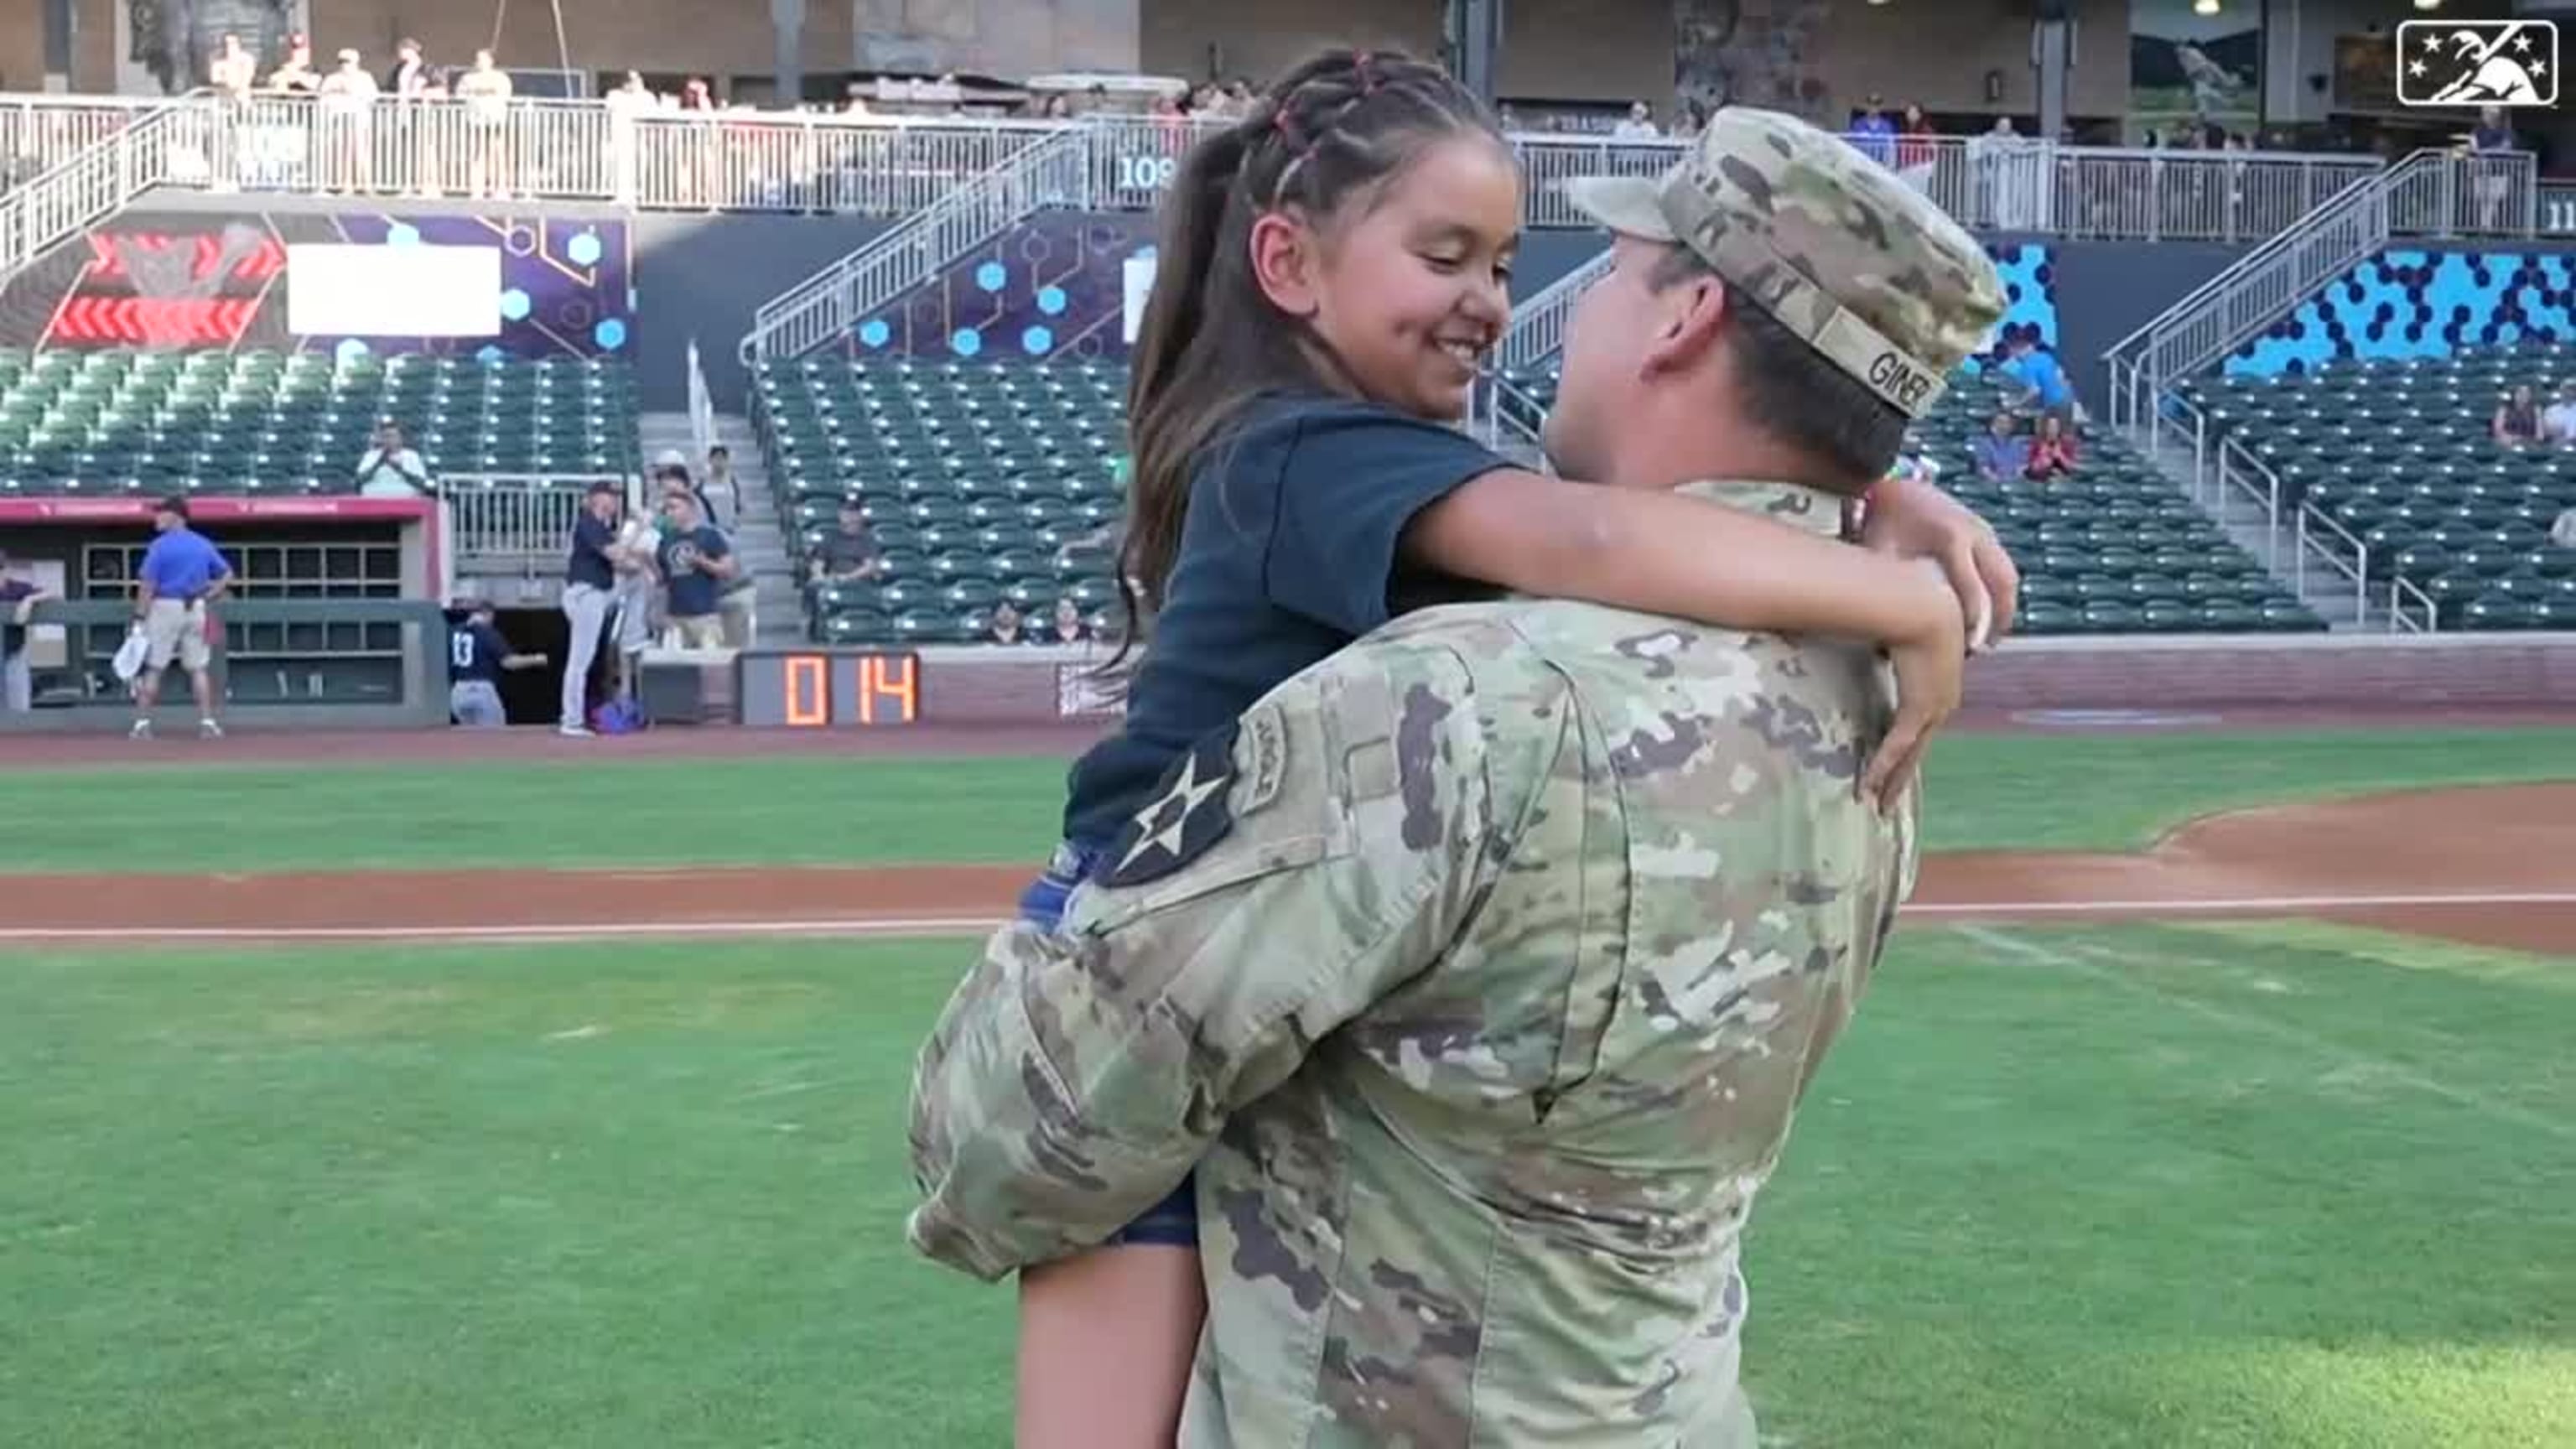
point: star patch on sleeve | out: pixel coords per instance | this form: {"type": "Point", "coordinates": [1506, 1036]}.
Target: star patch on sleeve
{"type": "Point", "coordinates": [1188, 816]}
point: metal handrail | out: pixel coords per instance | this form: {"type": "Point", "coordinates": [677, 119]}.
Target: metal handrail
{"type": "Point", "coordinates": [2358, 570]}
{"type": "Point", "coordinates": [826, 305]}
{"type": "Point", "coordinates": [1538, 325]}
{"type": "Point", "coordinates": [2398, 590]}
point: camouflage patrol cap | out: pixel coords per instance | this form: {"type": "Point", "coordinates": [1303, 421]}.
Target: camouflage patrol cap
{"type": "Point", "coordinates": [1835, 246]}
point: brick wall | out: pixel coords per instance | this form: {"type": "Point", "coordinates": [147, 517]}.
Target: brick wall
{"type": "Point", "coordinates": [975, 687]}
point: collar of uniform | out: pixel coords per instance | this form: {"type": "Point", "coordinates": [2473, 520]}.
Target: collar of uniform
{"type": "Point", "coordinates": [1799, 507]}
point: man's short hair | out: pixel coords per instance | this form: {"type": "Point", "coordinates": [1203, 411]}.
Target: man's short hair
{"type": "Point", "coordinates": [1789, 389]}
{"type": "Point", "coordinates": [174, 504]}
{"type": "Point", "coordinates": [603, 486]}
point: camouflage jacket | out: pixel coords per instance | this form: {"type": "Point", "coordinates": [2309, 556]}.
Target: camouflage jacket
{"type": "Point", "coordinates": [1478, 970]}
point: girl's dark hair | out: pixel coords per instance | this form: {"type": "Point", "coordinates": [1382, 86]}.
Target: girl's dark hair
{"type": "Point", "coordinates": [1328, 133]}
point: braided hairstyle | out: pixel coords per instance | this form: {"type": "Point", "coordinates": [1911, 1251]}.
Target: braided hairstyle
{"type": "Point", "coordinates": [1326, 136]}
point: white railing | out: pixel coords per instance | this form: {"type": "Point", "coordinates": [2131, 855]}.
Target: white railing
{"type": "Point", "coordinates": [2319, 534]}
{"type": "Point", "coordinates": [2401, 617]}
{"type": "Point", "coordinates": [2257, 290]}
{"type": "Point", "coordinates": [612, 150]}
{"type": "Point", "coordinates": [96, 183]}
{"type": "Point", "coordinates": [41, 132]}
{"type": "Point", "coordinates": [514, 523]}
{"type": "Point", "coordinates": [2485, 194]}
{"type": "Point", "coordinates": [827, 305]}
{"type": "Point", "coordinates": [1538, 324]}
{"type": "Point", "coordinates": [702, 406]}
{"type": "Point", "coordinates": [2218, 196]}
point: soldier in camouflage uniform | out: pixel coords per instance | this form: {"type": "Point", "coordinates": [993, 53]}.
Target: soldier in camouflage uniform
{"type": "Point", "coordinates": [1479, 969]}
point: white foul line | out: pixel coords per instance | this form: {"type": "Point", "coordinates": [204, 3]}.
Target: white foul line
{"type": "Point", "coordinates": [976, 925]}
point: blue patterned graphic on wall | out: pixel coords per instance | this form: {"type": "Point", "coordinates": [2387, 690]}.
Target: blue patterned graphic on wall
{"type": "Point", "coordinates": [2030, 300]}
{"type": "Point", "coordinates": [1052, 288]}
{"type": "Point", "coordinates": [2410, 303]}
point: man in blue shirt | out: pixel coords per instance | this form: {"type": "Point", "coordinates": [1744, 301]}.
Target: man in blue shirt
{"type": "Point", "coordinates": [182, 573]}
{"type": "Point", "coordinates": [590, 582]}
{"type": "Point", "coordinates": [696, 563]}
{"type": "Point", "coordinates": [1873, 134]}
{"type": "Point", "coordinates": [476, 657]}
{"type": "Point", "coordinates": [2039, 371]}
{"type": "Point", "coordinates": [2003, 453]}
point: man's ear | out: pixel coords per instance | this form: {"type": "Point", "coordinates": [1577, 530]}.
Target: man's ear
{"type": "Point", "coordinates": [1284, 262]}
{"type": "Point", "coordinates": [1686, 324]}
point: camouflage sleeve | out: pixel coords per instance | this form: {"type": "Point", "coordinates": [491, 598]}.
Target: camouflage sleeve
{"type": "Point", "coordinates": [1293, 869]}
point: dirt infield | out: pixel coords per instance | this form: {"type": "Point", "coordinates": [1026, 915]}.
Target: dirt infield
{"type": "Point", "coordinates": [2487, 866]}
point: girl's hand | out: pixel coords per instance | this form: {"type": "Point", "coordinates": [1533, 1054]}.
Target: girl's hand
{"type": "Point", "coordinates": [1931, 672]}
{"type": "Point", "coordinates": [1913, 519]}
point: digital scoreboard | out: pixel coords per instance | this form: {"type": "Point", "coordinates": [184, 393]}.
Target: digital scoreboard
{"type": "Point", "coordinates": [827, 688]}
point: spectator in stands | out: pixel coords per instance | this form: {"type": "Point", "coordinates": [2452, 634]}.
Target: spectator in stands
{"type": "Point", "coordinates": [2517, 418]}
{"type": "Point", "coordinates": [181, 574]}
{"type": "Point", "coordinates": [476, 657]}
{"type": "Point", "coordinates": [695, 561]}
{"type": "Point", "coordinates": [2037, 369]}
{"type": "Point", "coordinates": [2489, 144]}
{"type": "Point", "coordinates": [409, 74]}
{"type": "Point", "coordinates": [392, 469]}
{"type": "Point", "coordinates": [18, 600]}
{"type": "Point", "coordinates": [1007, 624]}
{"type": "Point", "coordinates": [2563, 532]}
{"type": "Point", "coordinates": [2003, 453]}
{"type": "Point", "coordinates": [2052, 451]}
{"type": "Point", "coordinates": [485, 90]}
{"type": "Point", "coordinates": [1873, 132]}
{"type": "Point", "coordinates": [1066, 626]}
{"type": "Point", "coordinates": [720, 478]}
{"type": "Point", "coordinates": [671, 473]}
{"type": "Point", "coordinates": [296, 75]}
{"type": "Point", "coordinates": [850, 555]}
{"type": "Point", "coordinates": [1917, 149]}
{"type": "Point", "coordinates": [590, 585]}
{"type": "Point", "coordinates": [1639, 125]}
{"type": "Point", "coordinates": [233, 70]}
{"type": "Point", "coordinates": [2558, 423]}
{"type": "Point", "coordinates": [348, 106]}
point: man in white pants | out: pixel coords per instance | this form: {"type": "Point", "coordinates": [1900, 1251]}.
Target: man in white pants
{"type": "Point", "coordinates": [18, 600]}
{"type": "Point", "coordinates": [590, 583]}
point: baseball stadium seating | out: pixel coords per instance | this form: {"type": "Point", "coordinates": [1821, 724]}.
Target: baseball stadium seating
{"type": "Point", "coordinates": [121, 422]}
{"type": "Point", "coordinates": [2397, 451]}
{"type": "Point", "coordinates": [2114, 549]}
{"type": "Point", "coordinates": [981, 482]}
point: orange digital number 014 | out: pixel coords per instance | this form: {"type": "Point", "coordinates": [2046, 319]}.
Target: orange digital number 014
{"type": "Point", "coordinates": [808, 703]}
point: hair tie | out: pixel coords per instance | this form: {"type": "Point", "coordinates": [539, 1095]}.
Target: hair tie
{"type": "Point", "coordinates": [1286, 126]}
{"type": "Point", "coordinates": [1367, 78]}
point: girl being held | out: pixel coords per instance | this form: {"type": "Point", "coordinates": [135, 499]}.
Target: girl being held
{"type": "Point", "coordinates": [1333, 269]}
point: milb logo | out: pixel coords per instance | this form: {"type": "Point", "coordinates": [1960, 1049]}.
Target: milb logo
{"type": "Point", "coordinates": [2477, 63]}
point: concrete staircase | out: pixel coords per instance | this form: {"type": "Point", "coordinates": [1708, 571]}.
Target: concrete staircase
{"type": "Point", "coordinates": [779, 604]}
{"type": "Point", "coordinates": [2319, 583]}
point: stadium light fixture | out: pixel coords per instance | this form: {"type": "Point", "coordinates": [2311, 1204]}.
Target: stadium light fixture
{"type": "Point", "coordinates": [2204, 7]}
{"type": "Point", "coordinates": [2428, 4]}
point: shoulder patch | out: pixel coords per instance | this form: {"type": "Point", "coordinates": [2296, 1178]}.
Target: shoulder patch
{"type": "Point", "coordinates": [1189, 814]}
{"type": "Point", "coordinates": [1265, 739]}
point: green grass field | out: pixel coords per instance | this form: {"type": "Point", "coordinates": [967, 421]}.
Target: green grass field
{"type": "Point", "coordinates": [2280, 1186]}
{"type": "Point", "coordinates": [1983, 791]}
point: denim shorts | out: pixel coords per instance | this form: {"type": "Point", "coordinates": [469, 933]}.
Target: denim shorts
{"type": "Point", "coordinates": [1173, 1222]}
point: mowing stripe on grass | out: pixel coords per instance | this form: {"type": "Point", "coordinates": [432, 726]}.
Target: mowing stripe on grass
{"type": "Point", "coordinates": [2101, 963]}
